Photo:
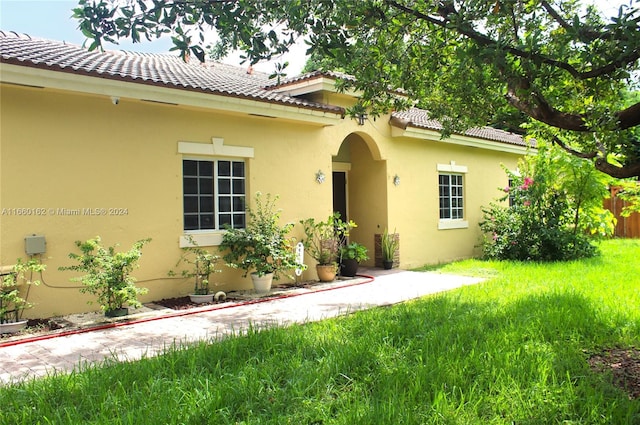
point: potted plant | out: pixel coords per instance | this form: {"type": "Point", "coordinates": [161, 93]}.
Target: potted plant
{"type": "Point", "coordinates": [263, 248]}
{"type": "Point", "coordinates": [323, 240]}
{"type": "Point", "coordinates": [108, 275]}
{"type": "Point", "coordinates": [389, 244]}
{"type": "Point", "coordinates": [11, 303]}
{"type": "Point", "coordinates": [203, 265]}
{"type": "Point", "coordinates": [351, 256]}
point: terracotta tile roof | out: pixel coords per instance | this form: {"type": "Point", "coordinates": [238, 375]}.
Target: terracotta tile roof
{"type": "Point", "coordinates": [310, 76]}
{"type": "Point", "coordinates": [146, 68]}
{"type": "Point", "coordinates": [414, 117]}
{"type": "Point", "coordinates": [419, 118]}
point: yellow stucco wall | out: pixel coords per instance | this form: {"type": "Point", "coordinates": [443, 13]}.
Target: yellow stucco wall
{"type": "Point", "coordinates": [62, 153]}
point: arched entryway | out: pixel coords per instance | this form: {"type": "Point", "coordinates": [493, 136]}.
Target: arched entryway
{"type": "Point", "coordinates": [360, 188]}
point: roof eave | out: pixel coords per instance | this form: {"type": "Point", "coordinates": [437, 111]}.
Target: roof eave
{"type": "Point", "coordinates": [313, 84]}
{"type": "Point", "coordinates": [456, 139]}
{"type": "Point", "coordinates": [117, 86]}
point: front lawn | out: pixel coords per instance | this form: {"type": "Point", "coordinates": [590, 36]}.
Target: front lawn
{"type": "Point", "coordinates": [512, 350]}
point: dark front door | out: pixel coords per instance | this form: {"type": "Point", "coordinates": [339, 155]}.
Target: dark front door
{"type": "Point", "coordinates": [340, 194]}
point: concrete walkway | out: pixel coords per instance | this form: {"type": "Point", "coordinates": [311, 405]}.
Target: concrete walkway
{"type": "Point", "coordinates": [150, 335]}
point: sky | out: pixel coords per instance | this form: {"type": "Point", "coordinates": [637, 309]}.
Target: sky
{"type": "Point", "coordinates": [51, 19]}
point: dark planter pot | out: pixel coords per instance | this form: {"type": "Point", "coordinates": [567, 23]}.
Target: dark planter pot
{"type": "Point", "coordinates": [388, 265]}
{"type": "Point", "coordinates": [118, 312]}
{"type": "Point", "coordinates": [348, 268]}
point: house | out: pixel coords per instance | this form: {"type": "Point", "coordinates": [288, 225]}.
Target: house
{"type": "Point", "coordinates": [100, 143]}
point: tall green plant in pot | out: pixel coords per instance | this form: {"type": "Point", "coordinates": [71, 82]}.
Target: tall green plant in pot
{"type": "Point", "coordinates": [323, 241]}
{"type": "Point", "coordinates": [389, 244]}
{"type": "Point", "coordinates": [263, 249]}
{"type": "Point", "coordinates": [202, 265]}
{"type": "Point", "coordinates": [108, 274]}
{"type": "Point", "coordinates": [12, 304]}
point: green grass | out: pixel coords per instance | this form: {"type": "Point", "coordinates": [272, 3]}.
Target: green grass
{"type": "Point", "coordinates": [512, 350]}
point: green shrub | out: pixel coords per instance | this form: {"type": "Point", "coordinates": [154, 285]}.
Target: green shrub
{"type": "Point", "coordinates": [108, 273]}
{"type": "Point", "coordinates": [555, 210]}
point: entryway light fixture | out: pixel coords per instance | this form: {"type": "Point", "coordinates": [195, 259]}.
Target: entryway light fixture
{"type": "Point", "coordinates": [320, 177]}
{"type": "Point", "coordinates": [396, 180]}
{"type": "Point", "coordinates": [362, 118]}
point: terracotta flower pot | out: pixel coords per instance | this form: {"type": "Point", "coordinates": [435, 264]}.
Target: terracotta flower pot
{"type": "Point", "coordinates": [326, 273]}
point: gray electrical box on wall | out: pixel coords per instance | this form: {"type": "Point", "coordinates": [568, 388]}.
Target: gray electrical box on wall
{"type": "Point", "coordinates": [34, 244]}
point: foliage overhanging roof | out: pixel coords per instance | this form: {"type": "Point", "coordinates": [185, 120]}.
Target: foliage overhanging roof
{"type": "Point", "coordinates": [212, 77]}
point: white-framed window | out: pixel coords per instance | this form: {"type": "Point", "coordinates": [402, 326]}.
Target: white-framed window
{"type": "Point", "coordinates": [451, 193]}
{"type": "Point", "coordinates": [214, 188]}
{"type": "Point", "coordinates": [451, 200]}
{"type": "Point", "coordinates": [214, 193]}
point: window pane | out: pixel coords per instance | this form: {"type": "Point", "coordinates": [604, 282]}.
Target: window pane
{"type": "Point", "coordinates": [189, 168]}
{"type": "Point", "coordinates": [238, 187]}
{"type": "Point", "coordinates": [206, 204]}
{"type": "Point", "coordinates": [239, 221]}
{"type": "Point", "coordinates": [224, 168]}
{"type": "Point", "coordinates": [224, 203]}
{"type": "Point", "coordinates": [190, 185]}
{"type": "Point", "coordinates": [224, 219]}
{"type": "Point", "coordinates": [206, 168]}
{"type": "Point", "coordinates": [238, 203]}
{"type": "Point", "coordinates": [206, 221]}
{"type": "Point", "coordinates": [238, 169]}
{"type": "Point", "coordinates": [224, 186]}
{"type": "Point", "coordinates": [206, 186]}
{"type": "Point", "coordinates": [190, 204]}
{"type": "Point", "coordinates": [190, 222]}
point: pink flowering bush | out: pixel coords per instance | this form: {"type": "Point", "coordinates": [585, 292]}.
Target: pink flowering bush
{"type": "Point", "coordinates": [548, 213]}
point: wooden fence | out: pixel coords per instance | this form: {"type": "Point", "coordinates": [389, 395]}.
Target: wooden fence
{"type": "Point", "coordinates": [626, 227]}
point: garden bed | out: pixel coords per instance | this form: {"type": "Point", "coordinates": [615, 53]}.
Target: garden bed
{"type": "Point", "coordinates": [624, 366]}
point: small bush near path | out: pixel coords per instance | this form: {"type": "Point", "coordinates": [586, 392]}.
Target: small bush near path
{"type": "Point", "coordinates": [515, 349]}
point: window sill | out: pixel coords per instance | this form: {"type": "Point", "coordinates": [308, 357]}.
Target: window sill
{"type": "Point", "coordinates": [453, 224]}
{"type": "Point", "coordinates": [208, 238]}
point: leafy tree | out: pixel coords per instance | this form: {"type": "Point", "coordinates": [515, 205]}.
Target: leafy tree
{"type": "Point", "coordinates": [560, 64]}
{"type": "Point", "coordinates": [555, 205]}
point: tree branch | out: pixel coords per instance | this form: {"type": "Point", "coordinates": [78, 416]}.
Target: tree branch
{"type": "Point", "coordinates": [600, 163]}
{"type": "Point", "coordinates": [445, 9]}
{"type": "Point", "coordinates": [627, 171]}
{"type": "Point", "coordinates": [586, 155]}
{"type": "Point", "coordinates": [629, 117]}
{"type": "Point", "coordinates": [541, 110]}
